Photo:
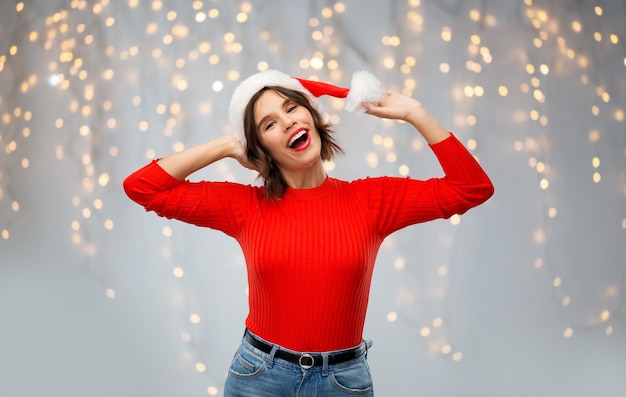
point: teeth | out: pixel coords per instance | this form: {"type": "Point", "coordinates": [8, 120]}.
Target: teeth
{"type": "Point", "coordinates": [296, 137]}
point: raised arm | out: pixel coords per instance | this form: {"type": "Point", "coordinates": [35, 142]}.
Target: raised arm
{"type": "Point", "coordinates": [143, 185]}
{"type": "Point", "coordinates": [148, 183]}
{"type": "Point", "coordinates": [161, 186]}
{"type": "Point", "coordinates": [465, 184]}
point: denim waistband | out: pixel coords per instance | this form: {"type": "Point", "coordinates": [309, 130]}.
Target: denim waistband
{"type": "Point", "coordinates": [304, 360]}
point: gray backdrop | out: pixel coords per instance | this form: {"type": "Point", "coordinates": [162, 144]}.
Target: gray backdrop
{"type": "Point", "coordinates": [521, 296]}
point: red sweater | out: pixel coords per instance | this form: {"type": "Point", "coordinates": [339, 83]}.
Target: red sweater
{"type": "Point", "coordinates": [310, 256]}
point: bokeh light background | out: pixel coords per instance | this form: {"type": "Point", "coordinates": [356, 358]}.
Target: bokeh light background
{"type": "Point", "coordinates": [521, 296]}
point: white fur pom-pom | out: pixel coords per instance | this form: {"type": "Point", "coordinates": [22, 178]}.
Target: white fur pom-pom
{"type": "Point", "coordinates": [364, 88]}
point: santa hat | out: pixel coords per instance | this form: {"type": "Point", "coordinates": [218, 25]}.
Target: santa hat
{"type": "Point", "coordinates": [363, 88]}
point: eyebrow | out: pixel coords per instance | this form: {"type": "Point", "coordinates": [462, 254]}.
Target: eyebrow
{"type": "Point", "coordinates": [264, 119]}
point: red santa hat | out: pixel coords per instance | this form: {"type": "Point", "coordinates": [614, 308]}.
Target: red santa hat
{"type": "Point", "coordinates": [363, 88]}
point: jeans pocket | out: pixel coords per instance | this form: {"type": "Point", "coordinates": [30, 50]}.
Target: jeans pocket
{"type": "Point", "coordinates": [247, 365]}
{"type": "Point", "coordinates": [355, 379]}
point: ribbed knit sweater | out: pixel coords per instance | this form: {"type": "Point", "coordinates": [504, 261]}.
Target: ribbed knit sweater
{"type": "Point", "coordinates": [310, 255]}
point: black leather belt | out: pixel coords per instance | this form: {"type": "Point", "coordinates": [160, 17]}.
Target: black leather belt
{"type": "Point", "coordinates": [309, 360]}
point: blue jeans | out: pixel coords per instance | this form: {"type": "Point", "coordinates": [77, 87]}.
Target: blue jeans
{"type": "Point", "coordinates": [259, 374]}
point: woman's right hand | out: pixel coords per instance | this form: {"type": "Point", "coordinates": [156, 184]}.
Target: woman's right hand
{"type": "Point", "coordinates": [238, 152]}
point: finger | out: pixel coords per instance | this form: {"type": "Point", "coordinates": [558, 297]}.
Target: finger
{"type": "Point", "coordinates": [373, 110]}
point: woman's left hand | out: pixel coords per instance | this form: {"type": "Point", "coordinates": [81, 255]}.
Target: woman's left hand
{"type": "Point", "coordinates": [401, 107]}
{"type": "Point", "coordinates": [396, 106]}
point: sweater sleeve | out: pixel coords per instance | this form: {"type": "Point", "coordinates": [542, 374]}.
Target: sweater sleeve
{"type": "Point", "coordinates": [218, 205]}
{"type": "Point", "coordinates": [400, 202]}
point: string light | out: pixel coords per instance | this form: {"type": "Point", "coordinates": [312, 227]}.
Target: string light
{"type": "Point", "coordinates": [540, 20]}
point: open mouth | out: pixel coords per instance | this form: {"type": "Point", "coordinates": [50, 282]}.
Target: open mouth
{"type": "Point", "coordinates": [299, 140]}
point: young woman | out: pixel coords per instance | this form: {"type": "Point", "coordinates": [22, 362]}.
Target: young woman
{"type": "Point", "coordinates": [310, 241]}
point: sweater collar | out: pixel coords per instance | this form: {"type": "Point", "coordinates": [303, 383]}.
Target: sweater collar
{"type": "Point", "coordinates": [310, 193]}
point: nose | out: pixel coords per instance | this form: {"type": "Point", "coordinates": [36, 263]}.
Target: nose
{"type": "Point", "coordinates": [287, 122]}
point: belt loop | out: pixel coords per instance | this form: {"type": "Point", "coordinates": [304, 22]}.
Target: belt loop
{"type": "Point", "coordinates": [324, 364]}
{"type": "Point", "coordinates": [270, 359]}
{"type": "Point", "coordinates": [368, 344]}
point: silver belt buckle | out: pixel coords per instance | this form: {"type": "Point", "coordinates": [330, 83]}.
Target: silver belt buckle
{"type": "Point", "coordinates": [306, 366]}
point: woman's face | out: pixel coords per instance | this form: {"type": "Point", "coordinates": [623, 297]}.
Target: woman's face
{"type": "Point", "coordinates": [287, 131]}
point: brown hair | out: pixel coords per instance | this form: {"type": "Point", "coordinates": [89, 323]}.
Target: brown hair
{"type": "Point", "coordinates": [259, 156]}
